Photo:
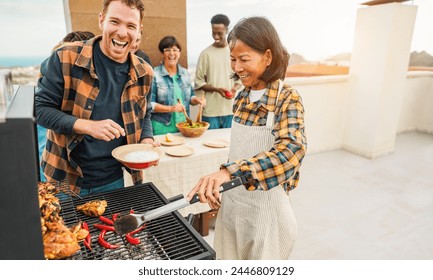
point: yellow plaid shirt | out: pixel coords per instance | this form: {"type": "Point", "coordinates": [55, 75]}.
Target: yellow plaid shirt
{"type": "Point", "coordinates": [280, 165]}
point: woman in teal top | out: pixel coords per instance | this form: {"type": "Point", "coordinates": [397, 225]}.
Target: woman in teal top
{"type": "Point", "coordinates": [171, 82]}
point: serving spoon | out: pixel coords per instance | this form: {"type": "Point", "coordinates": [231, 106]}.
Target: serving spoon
{"type": "Point", "coordinates": [200, 108]}
{"type": "Point", "coordinates": [184, 112]}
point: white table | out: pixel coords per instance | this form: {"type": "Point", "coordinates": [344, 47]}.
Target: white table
{"type": "Point", "coordinates": [178, 175]}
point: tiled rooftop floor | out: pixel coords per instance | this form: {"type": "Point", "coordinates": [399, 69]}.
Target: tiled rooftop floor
{"type": "Point", "coordinates": [350, 207]}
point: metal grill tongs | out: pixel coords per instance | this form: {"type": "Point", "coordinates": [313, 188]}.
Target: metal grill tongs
{"type": "Point", "coordinates": [64, 187]}
{"type": "Point", "coordinates": [130, 222]}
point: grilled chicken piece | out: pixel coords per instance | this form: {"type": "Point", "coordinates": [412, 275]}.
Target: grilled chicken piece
{"type": "Point", "coordinates": [59, 242]}
{"type": "Point", "coordinates": [44, 228]}
{"type": "Point", "coordinates": [46, 188]}
{"type": "Point", "coordinates": [50, 208]}
{"type": "Point", "coordinates": [79, 232]}
{"type": "Point", "coordinates": [48, 203]}
{"type": "Point", "coordinates": [94, 208]}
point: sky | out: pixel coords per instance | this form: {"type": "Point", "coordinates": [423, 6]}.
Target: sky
{"type": "Point", "coordinates": [316, 29]}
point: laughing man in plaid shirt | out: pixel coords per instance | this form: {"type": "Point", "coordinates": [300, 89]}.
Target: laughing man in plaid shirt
{"type": "Point", "coordinates": [93, 97]}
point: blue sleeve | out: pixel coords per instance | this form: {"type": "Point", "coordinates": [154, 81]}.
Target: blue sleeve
{"type": "Point", "coordinates": [147, 130]}
{"type": "Point", "coordinates": [49, 98]}
{"type": "Point", "coordinates": [153, 91]}
{"type": "Point", "coordinates": [192, 93]}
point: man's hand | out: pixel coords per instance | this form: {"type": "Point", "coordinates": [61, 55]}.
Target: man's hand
{"type": "Point", "coordinates": [227, 94]}
{"type": "Point", "coordinates": [106, 130]}
{"type": "Point", "coordinates": [150, 141]}
{"type": "Point", "coordinates": [153, 143]}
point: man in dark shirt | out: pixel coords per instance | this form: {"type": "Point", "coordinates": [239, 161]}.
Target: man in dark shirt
{"type": "Point", "coordinates": [93, 97]}
{"type": "Point", "coordinates": [139, 52]}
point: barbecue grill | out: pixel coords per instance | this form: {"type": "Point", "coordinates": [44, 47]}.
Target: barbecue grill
{"type": "Point", "coordinates": [169, 237]}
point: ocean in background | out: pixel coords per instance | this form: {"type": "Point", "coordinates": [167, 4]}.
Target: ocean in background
{"type": "Point", "coordinates": [21, 61]}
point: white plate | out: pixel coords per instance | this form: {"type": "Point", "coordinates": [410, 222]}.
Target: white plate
{"type": "Point", "coordinates": [216, 143]}
{"type": "Point", "coordinates": [121, 154]}
{"type": "Point", "coordinates": [176, 141]}
{"type": "Point", "coordinates": [180, 151]}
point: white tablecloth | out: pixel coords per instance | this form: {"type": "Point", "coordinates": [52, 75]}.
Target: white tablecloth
{"type": "Point", "coordinates": [178, 175]}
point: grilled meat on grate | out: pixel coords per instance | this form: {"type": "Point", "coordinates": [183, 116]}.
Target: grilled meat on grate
{"type": "Point", "coordinates": [78, 230]}
{"type": "Point", "coordinates": [94, 208]}
{"type": "Point", "coordinates": [59, 241]}
{"type": "Point", "coordinates": [169, 237]}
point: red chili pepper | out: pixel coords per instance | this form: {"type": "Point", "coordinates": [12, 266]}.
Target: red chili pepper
{"type": "Point", "coordinates": [104, 227]}
{"type": "Point", "coordinates": [85, 226]}
{"type": "Point", "coordinates": [137, 230]}
{"type": "Point", "coordinates": [132, 240]}
{"type": "Point", "coordinates": [104, 243]}
{"type": "Point", "coordinates": [115, 216]}
{"type": "Point", "coordinates": [106, 220]}
{"type": "Point", "coordinates": [87, 244]}
{"type": "Point", "coordinates": [131, 211]}
{"type": "Point", "coordinates": [88, 240]}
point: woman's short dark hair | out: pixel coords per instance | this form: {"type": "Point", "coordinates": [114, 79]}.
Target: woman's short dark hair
{"type": "Point", "coordinates": [259, 34]}
{"type": "Point", "coordinates": [168, 42]}
{"type": "Point", "coordinates": [78, 36]}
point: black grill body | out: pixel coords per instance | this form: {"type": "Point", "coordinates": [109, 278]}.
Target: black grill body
{"type": "Point", "coordinates": [169, 237]}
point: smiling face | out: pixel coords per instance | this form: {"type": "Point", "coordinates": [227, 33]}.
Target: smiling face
{"type": "Point", "coordinates": [120, 27]}
{"type": "Point", "coordinates": [171, 56]}
{"type": "Point", "coordinates": [136, 45]}
{"type": "Point", "coordinates": [249, 64]}
{"type": "Point", "coordinates": [219, 33]}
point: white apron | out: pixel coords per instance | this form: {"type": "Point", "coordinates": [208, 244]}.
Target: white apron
{"type": "Point", "coordinates": [254, 225]}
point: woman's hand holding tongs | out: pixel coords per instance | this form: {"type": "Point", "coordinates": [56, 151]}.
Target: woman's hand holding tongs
{"type": "Point", "coordinates": [208, 187]}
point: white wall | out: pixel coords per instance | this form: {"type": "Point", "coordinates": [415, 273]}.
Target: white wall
{"type": "Point", "coordinates": [417, 106]}
{"type": "Point", "coordinates": [324, 99]}
{"type": "Point", "coordinates": [325, 103]}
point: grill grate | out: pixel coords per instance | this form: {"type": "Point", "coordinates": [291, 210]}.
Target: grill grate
{"type": "Point", "coordinates": [167, 238]}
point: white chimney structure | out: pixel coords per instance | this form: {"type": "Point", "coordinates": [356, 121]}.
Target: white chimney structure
{"type": "Point", "coordinates": [377, 77]}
